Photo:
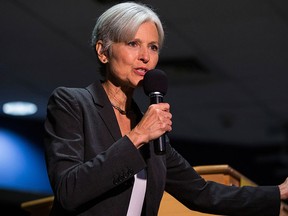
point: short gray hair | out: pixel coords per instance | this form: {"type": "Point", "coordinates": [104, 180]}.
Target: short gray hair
{"type": "Point", "coordinates": [120, 23]}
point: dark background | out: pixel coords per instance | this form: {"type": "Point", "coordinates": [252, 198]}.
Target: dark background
{"type": "Point", "coordinates": [226, 63]}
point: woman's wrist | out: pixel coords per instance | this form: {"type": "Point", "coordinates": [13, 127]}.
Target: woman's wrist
{"type": "Point", "coordinates": [137, 138]}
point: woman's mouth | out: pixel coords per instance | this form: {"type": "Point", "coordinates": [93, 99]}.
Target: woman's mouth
{"type": "Point", "coordinates": [141, 71]}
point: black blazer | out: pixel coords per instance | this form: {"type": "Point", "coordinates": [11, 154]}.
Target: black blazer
{"type": "Point", "coordinates": [91, 166]}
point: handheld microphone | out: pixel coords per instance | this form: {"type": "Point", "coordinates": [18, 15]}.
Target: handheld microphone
{"type": "Point", "coordinates": [155, 86]}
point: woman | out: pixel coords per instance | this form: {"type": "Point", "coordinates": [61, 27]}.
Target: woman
{"type": "Point", "coordinates": [98, 143]}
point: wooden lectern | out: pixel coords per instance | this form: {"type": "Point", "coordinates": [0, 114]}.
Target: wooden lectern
{"type": "Point", "coordinates": [169, 206]}
{"type": "Point", "coordinates": [39, 207]}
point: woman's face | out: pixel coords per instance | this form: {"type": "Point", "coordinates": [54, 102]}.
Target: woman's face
{"type": "Point", "coordinates": [128, 62]}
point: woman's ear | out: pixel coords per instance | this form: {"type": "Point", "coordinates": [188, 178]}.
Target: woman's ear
{"type": "Point", "coordinates": [99, 50]}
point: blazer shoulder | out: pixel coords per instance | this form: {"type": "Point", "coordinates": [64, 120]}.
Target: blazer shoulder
{"type": "Point", "coordinates": [69, 92]}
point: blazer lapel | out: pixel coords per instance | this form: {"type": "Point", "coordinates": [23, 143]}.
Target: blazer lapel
{"type": "Point", "coordinates": [105, 109]}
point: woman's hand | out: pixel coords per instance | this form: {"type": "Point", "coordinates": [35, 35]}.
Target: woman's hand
{"type": "Point", "coordinates": [284, 190]}
{"type": "Point", "coordinates": [155, 122]}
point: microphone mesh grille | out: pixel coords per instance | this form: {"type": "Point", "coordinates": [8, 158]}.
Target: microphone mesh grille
{"type": "Point", "coordinates": [155, 80]}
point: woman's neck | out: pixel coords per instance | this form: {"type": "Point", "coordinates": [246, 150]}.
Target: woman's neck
{"type": "Point", "coordinates": [119, 97]}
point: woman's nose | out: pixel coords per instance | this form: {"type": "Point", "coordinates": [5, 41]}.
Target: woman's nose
{"type": "Point", "coordinates": [144, 55]}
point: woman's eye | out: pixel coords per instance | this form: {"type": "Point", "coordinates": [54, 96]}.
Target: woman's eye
{"type": "Point", "coordinates": [132, 43]}
{"type": "Point", "coordinates": [154, 48]}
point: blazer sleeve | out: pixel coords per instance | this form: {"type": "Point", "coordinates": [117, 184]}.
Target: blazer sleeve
{"type": "Point", "coordinates": [187, 186]}
{"type": "Point", "coordinates": [75, 180]}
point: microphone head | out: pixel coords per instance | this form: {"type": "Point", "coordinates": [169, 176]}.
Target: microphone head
{"type": "Point", "coordinates": [155, 80]}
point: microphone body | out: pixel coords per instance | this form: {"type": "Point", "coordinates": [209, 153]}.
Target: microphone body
{"type": "Point", "coordinates": [160, 143]}
{"type": "Point", "coordinates": [155, 86]}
